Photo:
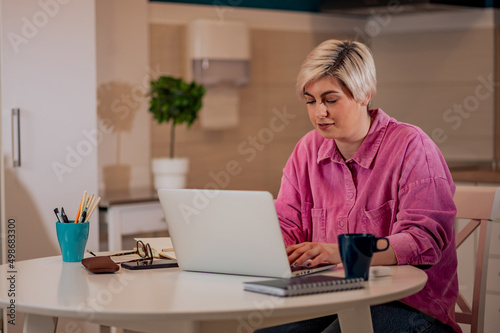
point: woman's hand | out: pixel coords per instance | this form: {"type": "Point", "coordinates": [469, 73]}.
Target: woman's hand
{"type": "Point", "coordinates": [311, 254]}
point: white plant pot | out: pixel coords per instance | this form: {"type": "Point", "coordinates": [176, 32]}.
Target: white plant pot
{"type": "Point", "coordinates": [170, 172]}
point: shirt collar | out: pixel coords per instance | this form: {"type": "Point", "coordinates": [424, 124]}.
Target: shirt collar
{"type": "Point", "coordinates": [368, 149]}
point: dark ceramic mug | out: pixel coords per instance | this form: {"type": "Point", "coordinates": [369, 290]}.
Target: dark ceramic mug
{"type": "Point", "coordinates": [356, 251]}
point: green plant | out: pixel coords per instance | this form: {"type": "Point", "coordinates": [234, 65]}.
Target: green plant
{"type": "Point", "coordinates": [175, 101]}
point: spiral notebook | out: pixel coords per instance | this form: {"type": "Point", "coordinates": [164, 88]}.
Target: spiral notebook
{"type": "Point", "coordinates": [304, 285]}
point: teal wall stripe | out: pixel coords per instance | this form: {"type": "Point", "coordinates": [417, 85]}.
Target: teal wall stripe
{"type": "Point", "coordinates": [294, 5]}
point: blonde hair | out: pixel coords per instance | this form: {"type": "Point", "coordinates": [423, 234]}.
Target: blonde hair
{"type": "Point", "coordinates": [349, 62]}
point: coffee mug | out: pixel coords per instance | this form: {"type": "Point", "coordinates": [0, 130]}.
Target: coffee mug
{"type": "Point", "coordinates": [356, 251]}
{"type": "Point", "coordinates": [72, 239]}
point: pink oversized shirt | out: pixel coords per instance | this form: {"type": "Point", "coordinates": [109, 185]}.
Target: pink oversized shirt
{"type": "Point", "coordinates": [397, 185]}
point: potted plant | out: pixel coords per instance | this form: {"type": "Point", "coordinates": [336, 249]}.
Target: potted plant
{"type": "Point", "coordinates": [176, 101]}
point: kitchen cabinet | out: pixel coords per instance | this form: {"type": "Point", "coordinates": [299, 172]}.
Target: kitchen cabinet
{"type": "Point", "coordinates": [49, 130]}
{"type": "Point", "coordinates": [48, 73]}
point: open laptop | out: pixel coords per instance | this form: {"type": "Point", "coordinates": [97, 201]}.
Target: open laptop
{"type": "Point", "coordinates": [232, 232]}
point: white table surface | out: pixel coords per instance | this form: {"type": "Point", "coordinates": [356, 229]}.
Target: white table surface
{"type": "Point", "coordinates": [170, 300]}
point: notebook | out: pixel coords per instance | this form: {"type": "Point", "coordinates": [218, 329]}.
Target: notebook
{"type": "Point", "coordinates": [223, 231]}
{"type": "Point", "coordinates": [303, 285]}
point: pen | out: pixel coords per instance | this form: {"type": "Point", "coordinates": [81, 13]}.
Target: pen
{"type": "Point", "coordinates": [123, 253]}
{"type": "Point", "coordinates": [170, 249]}
{"type": "Point", "coordinates": [84, 215]}
{"type": "Point", "coordinates": [135, 260]}
{"type": "Point", "coordinates": [63, 215]}
{"type": "Point", "coordinates": [57, 214]}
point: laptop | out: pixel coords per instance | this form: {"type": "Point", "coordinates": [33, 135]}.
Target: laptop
{"type": "Point", "coordinates": [231, 232]}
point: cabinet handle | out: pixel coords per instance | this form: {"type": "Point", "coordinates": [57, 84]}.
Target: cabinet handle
{"type": "Point", "coordinates": [16, 137]}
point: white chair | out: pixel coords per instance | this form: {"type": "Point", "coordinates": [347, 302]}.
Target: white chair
{"type": "Point", "coordinates": [479, 204]}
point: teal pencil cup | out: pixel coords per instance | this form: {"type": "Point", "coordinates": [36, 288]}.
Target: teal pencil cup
{"type": "Point", "coordinates": [72, 239]}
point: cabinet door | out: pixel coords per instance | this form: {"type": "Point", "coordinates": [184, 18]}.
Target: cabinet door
{"type": "Point", "coordinates": [48, 73]}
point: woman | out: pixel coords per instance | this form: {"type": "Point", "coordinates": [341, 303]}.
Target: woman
{"type": "Point", "coordinates": [361, 171]}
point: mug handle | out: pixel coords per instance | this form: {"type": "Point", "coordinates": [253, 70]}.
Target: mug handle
{"type": "Point", "coordinates": [376, 249]}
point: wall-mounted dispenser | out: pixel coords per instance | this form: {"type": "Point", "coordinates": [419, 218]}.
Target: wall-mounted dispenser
{"type": "Point", "coordinates": [219, 58]}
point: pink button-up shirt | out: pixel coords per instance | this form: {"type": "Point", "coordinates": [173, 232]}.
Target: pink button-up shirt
{"type": "Point", "coordinates": [397, 185]}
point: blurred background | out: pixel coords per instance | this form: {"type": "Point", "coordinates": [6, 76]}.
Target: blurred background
{"type": "Point", "coordinates": [79, 73]}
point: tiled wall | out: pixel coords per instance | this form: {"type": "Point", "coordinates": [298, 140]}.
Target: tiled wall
{"type": "Point", "coordinates": [122, 82]}
{"type": "Point", "coordinates": [435, 77]}
{"type": "Point", "coordinates": [272, 117]}
{"type": "Point", "coordinates": [440, 80]}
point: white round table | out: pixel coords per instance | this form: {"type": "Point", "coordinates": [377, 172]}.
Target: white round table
{"type": "Point", "coordinates": [170, 300]}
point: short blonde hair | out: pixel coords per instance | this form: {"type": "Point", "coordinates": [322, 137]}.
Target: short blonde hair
{"type": "Point", "coordinates": [349, 62]}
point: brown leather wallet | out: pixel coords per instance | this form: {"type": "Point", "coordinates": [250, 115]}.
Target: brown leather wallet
{"type": "Point", "coordinates": [100, 264]}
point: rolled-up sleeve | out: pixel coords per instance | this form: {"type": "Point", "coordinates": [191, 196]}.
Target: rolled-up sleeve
{"type": "Point", "coordinates": [424, 225]}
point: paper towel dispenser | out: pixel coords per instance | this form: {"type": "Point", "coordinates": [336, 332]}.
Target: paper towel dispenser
{"type": "Point", "coordinates": [219, 51]}
{"type": "Point", "coordinates": [212, 72]}
{"type": "Point", "coordinates": [219, 58]}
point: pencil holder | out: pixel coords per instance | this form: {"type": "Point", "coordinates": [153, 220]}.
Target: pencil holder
{"type": "Point", "coordinates": [72, 239]}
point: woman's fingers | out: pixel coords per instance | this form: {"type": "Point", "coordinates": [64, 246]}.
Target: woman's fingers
{"type": "Point", "coordinates": [305, 254]}
{"type": "Point", "coordinates": [290, 249]}
{"type": "Point", "coordinates": [296, 251]}
{"type": "Point", "coordinates": [312, 254]}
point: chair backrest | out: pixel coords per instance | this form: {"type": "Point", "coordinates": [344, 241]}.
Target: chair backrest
{"type": "Point", "coordinates": [480, 205]}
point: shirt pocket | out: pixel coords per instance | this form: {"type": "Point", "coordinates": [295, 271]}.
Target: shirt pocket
{"type": "Point", "coordinates": [318, 216]}
{"type": "Point", "coordinates": [379, 221]}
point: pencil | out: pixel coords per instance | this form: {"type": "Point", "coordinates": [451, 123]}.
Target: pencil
{"type": "Point", "coordinates": [80, 207]}
{"type": "Point", "coordinates": [91, 210]}
{"type": "Point", "coordinates": [91, 202]}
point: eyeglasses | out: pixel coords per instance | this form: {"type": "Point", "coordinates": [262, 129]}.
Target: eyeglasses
{"type": "Point", "coordinates": [143, 250]}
